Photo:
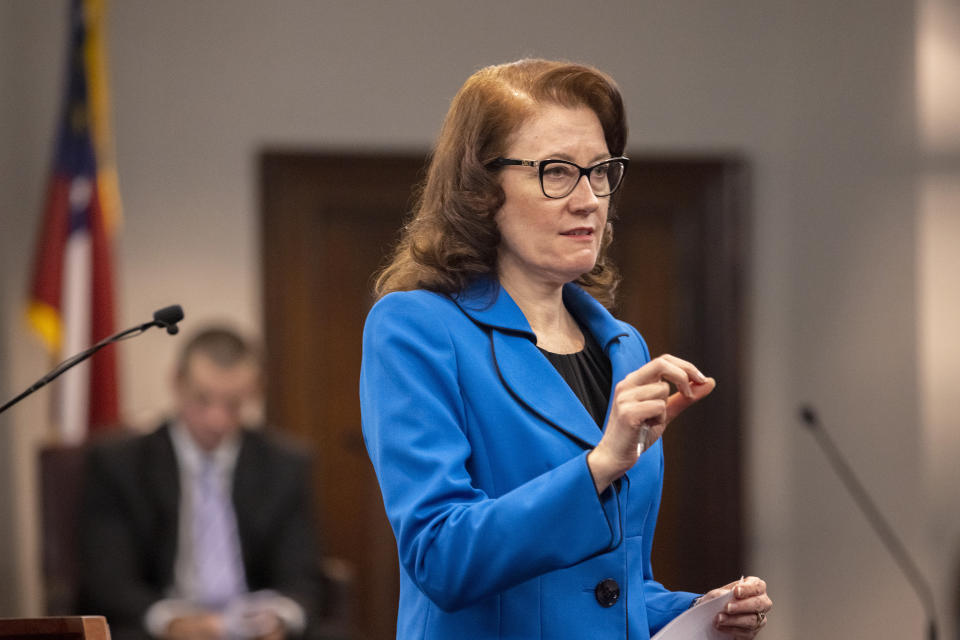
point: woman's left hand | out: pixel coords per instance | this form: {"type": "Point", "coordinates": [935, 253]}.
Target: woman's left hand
{"type": "Point", "coordinates": [746, 613]}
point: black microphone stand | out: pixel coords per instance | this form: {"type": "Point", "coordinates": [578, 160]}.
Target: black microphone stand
{"type": "Point", "coordinates": [876, 519]}
{"type": "Point", "coordinates": [168, 317]}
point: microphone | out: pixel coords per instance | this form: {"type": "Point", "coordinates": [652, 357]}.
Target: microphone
{"type": "Point", "coordinates": [880, 526]}
{"type": "Point", "coordinates": [167, 318]}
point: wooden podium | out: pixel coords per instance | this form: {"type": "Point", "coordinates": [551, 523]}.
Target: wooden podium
{"type": "Point", "coordinates": [58, 628]}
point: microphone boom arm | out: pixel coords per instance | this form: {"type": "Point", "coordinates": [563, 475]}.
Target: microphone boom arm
{"type": "Point", "coordinates": [168, 318]}
{"type": "Point", "coordinates": [879, 523]}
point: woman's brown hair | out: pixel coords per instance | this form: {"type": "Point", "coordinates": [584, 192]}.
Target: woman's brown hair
{"type": "Point", "coordinates": [452, 237]}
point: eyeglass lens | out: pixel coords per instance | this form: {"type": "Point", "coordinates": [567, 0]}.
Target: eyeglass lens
{"type": "Point", "coordinates": [560, 178]}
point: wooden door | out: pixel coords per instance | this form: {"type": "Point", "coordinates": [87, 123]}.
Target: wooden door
{"type": "Point", "coordinates": [327, 223]}
{"type": "Point", "coordinates": [680, 246]}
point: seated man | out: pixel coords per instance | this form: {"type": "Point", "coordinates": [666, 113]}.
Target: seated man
{"type": "Point", "coordinates": [202, 528]}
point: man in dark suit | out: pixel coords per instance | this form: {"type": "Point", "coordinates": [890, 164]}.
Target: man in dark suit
{"type": "Point", "coordinates": [202, 528]}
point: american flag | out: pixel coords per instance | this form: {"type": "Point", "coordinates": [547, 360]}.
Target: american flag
{"type": "Point", "coordinates": [71, 302]}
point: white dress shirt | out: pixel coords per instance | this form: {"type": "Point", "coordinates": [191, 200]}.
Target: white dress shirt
{"type": "Point", "coordinates": [241, 615]}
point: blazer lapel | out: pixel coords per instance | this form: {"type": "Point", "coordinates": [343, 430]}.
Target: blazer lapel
{"type": "Point", "coordinates": [524, 371]}
{"type": "Point", "coordinates": [611, 334]}
{"type": "Point", "coordinates": [534, 382]}
{"type": "Point", "coordinates": [254, 491]}
{"type": "Point", "coordinates": [162, 481]}
{"type": "Point", "coordinates": [606, 329]}
{"type": "Point", "coordinates": [246, 482]}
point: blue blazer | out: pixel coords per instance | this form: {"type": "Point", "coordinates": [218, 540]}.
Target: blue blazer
{"type": "Point", "coordinates": [480, 450]}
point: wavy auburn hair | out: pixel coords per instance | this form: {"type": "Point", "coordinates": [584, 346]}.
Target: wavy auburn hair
{"type": "Point", "coordinates": [451, 237]}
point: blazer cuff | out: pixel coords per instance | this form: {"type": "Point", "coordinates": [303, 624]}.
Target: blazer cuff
{"type": "Point", "coordinates": [609, 500]}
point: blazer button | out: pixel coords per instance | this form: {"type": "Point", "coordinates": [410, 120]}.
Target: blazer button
{"type": "Point", "coordinates": [607, 592]}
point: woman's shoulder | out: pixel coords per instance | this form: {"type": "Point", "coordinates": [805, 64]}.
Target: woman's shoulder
{"type": "Point", "coordinates": [424, 320]}
{"type": "Point", "coordinates": [414, 307]}
{"type": "Point", "coordinates": [636, 341]}
{"type": "Point", "coordinates": [628, 328]}
{"type": "Point", "coordinates": [415, 299]}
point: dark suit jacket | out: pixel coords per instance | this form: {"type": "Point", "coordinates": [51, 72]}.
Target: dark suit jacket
{"type": "Point", "coordinates": [129, 525]}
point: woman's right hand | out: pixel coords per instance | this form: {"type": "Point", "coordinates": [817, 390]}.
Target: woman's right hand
{"type": "Point", "coordinates": [642, 399]}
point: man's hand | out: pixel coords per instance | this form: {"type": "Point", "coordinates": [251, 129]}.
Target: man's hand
{"type": "Point", "coordinates": [199, 626]}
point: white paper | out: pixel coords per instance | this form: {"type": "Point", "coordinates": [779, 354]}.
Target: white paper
{"type": "Point", "coordinates": [696, 623]}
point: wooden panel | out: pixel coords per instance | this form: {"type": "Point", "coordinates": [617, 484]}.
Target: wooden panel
{"type": "Point", "coordinates": [326, 227]}
{"type": "Point", "coordinates": [60, 469]}
{"type": "Point", "coordinates": [64, 628]}
{"type": "Point", "coordinates": [680, 247]}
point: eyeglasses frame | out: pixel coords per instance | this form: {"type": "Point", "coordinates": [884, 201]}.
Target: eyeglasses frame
{"type": "Point", "coordinates": [584, 171]}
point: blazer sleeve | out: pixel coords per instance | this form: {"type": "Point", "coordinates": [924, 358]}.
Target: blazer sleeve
{"type": "Point", "coordinates": [111, 582]}
{"type": "Point", "coordinates": [458, 544]}
{"type": "Point", "coordinates": [278, 528]}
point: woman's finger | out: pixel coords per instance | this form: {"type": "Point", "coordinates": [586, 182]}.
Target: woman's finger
{"type": "Point", "coordinates": [678, 403]}
{"type": "Point", "coordinates": [749, 586]}
{"type": "Point", "coordinates": [646, 412]}
{"type": "Point", "coordinates": [691, 370]}
{"type": "Point", "coordinates": [750, 604]}
{"type": "Point", "coordinates": [745, 621]}
{"type": "Point", "coordinates": [679, 372]}
{"type": "Point", "coordinates": [650, 391]}
{"type": "Point", "coordinates": [675, 374]}
{"type": "Point", "coordinates": [746, 613]}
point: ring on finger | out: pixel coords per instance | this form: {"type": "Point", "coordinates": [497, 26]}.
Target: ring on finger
{"type": "Point", "coordinates": [761, 616]}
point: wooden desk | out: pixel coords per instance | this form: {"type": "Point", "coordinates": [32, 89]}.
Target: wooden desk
{"type": "Point", "coordinates": [59, 628]}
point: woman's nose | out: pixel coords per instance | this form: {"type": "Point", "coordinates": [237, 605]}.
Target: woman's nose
{"type": "Point", "coordinates": [582, 198]}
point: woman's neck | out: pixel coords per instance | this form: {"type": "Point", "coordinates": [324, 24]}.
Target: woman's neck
{"type": "Point", "coordinates": [542, 305]}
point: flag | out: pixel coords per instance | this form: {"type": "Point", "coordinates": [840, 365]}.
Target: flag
{"type": "Point", "coordinates": [71, 302]}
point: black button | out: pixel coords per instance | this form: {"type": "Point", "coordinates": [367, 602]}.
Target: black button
{"type": "Point", "coordinates": [607, 592]}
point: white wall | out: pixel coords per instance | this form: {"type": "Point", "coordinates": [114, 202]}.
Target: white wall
{"type": "Point", "coordinates": [31, 64]}
{"type": "Point", "coordinates": [848, 248]}
{"type": "Point", "coordinates": [938, 260]}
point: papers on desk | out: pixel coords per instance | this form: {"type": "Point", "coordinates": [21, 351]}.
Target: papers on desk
{"type": "Point", "coordinates": [696, 623]}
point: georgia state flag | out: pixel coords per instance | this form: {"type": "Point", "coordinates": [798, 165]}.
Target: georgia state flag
{"type": "Point", "coordinates": [71, 295]}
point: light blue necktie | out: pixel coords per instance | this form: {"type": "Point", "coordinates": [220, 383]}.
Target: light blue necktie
{"type": "Point", "coordinates": [216, 546]}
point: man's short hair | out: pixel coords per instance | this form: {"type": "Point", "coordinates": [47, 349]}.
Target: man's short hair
{"type": "Point", "coordinates": [224, 346]}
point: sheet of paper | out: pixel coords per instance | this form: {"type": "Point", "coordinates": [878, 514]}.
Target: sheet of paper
{"type": "Point", "coordinates": [696, 623]}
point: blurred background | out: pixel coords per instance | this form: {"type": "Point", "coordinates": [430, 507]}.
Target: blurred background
{"type": "Point", "coordinates": [841, 121]}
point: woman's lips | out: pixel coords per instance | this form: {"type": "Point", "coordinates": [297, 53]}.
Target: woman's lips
{"type": "Point", "coordinates": [579, 232]}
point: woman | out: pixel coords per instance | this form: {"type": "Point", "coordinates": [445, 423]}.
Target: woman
{"type": "Point", "coordinates": [504, 409]}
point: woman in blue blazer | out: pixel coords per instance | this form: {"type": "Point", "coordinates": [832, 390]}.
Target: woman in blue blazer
{"type": "Point", "coordinates": [513, 423]}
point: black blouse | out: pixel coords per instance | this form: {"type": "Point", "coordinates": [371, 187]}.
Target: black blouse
{"type": "Point", "coordinates": [589, 374]}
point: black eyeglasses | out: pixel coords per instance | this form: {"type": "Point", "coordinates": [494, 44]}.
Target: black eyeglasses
{"type": "Point", "coordinates": [558, 178]}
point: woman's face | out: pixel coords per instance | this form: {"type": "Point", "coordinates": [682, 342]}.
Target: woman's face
{"type": "Point", "coordinates": [546, 240]}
